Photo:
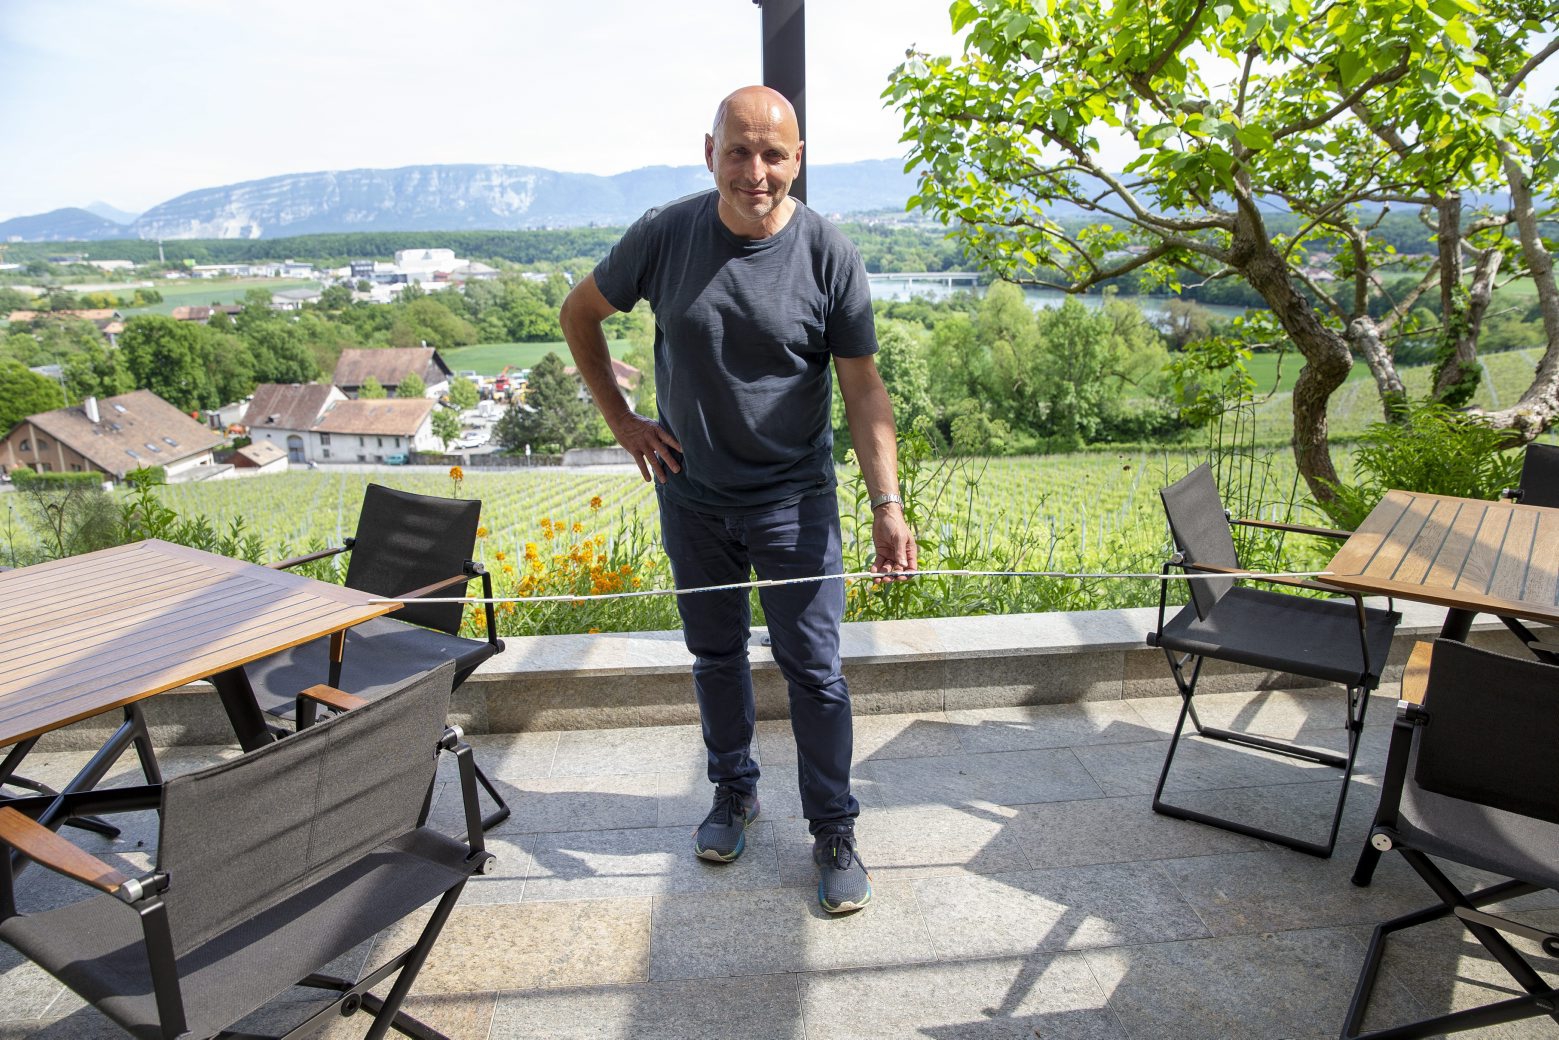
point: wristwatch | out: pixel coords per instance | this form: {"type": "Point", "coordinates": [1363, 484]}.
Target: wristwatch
{"type": "Point", "coordinates": [882, 500]}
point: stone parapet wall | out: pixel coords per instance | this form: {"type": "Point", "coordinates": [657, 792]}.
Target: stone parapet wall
{"type": "Point", "coordinates": [643, 678]}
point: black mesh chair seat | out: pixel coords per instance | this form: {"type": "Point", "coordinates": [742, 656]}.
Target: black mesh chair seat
{"type": "Point", "coordinates": [1469, 779]}
{"type": "Point", "coordinates": [1262, 629]}
{"type": "Point", "coordinates": [375, 660]}
{"type": "Point", "coordinates": [98, 949]}
{"type": "Point", "coordinates": [1333, 640]}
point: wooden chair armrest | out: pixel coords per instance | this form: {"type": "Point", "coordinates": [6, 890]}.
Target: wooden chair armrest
{"type": "Point", "coordinates": [1319, 532]}
{"type": "Point", "coordinates": [35, 841]}
{"type": "Point", "coordinates": [437, 586]}
{"type": "Point", "coordinates": [1236, 572]}
{"type": "Point", "coordinates": [1415, 677]}
{"type": "Point", "coordinates": [281, 565]}
{"type": "Point", "coordinates": [330, 697]}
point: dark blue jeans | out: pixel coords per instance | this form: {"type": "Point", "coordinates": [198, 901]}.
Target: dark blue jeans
{"type": "Point", "coordinates": [788, 542]}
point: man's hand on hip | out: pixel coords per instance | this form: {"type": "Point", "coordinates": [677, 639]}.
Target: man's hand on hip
{"type": "Point", "coordinates": [894, 542]}
{"type": "Point", "coordinates": [648, 442]}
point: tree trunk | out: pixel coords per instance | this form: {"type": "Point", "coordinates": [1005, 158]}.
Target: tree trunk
{"type": "Point", "coordinates": [1327, 360]}
{"type": "Point", "coordinates": [1363, 336]}
{"type": "Point", "coordinates": [1464, 328]}
{"type": "Point", "coordinates": [1539, 406]}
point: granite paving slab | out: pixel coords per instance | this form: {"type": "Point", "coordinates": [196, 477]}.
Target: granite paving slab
{"type": "Point", "coordinates": [1125, 769]}
{"type": "Point", "coordinates": [1048, 726]}
{"type": "Point", "coordinates": [1243, 892]}
{"type": "Point", "coordinates": [642, 862]}
{"type": "Point", "coordinates": [1274, 713]}
{"type": "Point", "coordinates": [508, 756]}
{"type": "Point", "coordinates": [763, 1007]}
{"type": "Point", "coordinates": [875, 737]}
{"type": "Point", "coordinates": [997, 778]}
{"type": "Point", "coordinates": [913, 844]}
{"type": "Point", "coordinates": [1013, 997]}
{"type": "Point", "coordinates": [645, 750]}
{"type": "Point", "coordinates": [1061, 908]}
{"type": "Point", "coordinates": [778, 930]}
{"type": "Point", "coordinates": [1267, 986]}
{"type": "Point", "coordinates": [530, 946]}
{"type": "Point", "coordinates": [1114, 830]}
{"type": "Point", "coordinates": [560, 803]}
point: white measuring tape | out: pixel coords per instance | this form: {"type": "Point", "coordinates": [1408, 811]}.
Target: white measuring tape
{"type": "Point", "coordinates": [851, 576]}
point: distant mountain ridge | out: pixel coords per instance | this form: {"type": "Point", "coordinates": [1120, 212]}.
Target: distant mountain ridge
{"type": "Point", "coordinates": [467, 197]}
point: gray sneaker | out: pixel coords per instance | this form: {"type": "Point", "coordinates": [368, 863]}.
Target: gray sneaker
{"type": "Point", "coordinates": [723, 834]}
{"type": "Point", "coordinates": [843, 883]}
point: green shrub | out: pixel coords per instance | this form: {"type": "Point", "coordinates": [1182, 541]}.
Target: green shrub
{"type": "Point", "coordinates": [1434, 450]}
{"type": "Point", "coordinates": [26, 479]}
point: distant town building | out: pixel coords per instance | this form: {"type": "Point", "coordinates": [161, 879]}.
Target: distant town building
{"type": "Point", "coordinates": [390, 365]}
{"type": "Point", "coordinates": [284, 414]}
{"type": "Point", "coordinates": [203, 315]}
{"type": "Point", "coordinates": [294, 299]}
{"type": "Point", "coordinates": [627, 377]}
{"type": "Point", "coordinates": [259, 457]}
{"type": "Point", "coordinates": [372, 431]}
{"type": "Point", "coordinates": [112, 437]}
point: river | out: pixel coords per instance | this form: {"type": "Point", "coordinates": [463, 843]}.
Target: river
{"type": "Point", "coordinates": [893, 287]}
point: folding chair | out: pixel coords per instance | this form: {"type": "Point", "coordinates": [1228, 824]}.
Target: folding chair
{"type": "Point", "coordinates": [1539, 487]}
{"type": "Point", "coordinates": [1333, 640]}
{"type": "Point", "coordinates": [1470, 779]}
{"type": "Point", "coordinates": [407, 546]}
{"type": "Point", "coordinates": [269, 866]}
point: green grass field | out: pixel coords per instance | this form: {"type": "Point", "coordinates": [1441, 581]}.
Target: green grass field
{"type": "Point", "coordinates": [205, 292]}
{"type": "Point", "coordinates": [489, 359]}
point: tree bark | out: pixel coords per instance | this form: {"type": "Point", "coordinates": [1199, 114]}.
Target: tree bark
{"type": "Point", "coordinates": [1465, 345]}
{"type": "Point", "coordinates": [1539, 406]}
{"type": "Point", "coordinates": [1327, 360]}
{"type": "Point", "coordinates": [1363, 336]}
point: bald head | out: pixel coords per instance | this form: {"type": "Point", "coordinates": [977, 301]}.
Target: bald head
{"type": "Point", "coordinates": [758, 106]}
{"type": "Point", "coordinates": [754, 151]}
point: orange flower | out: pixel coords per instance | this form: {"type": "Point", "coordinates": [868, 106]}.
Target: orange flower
{"type": "Point", "coordinates": [456, 474]}
{"type": "Point", "coordinates": [481, 532]}
{"type": "Point", "coordinates": [595, 502]}
{"type": "Point", "coordinates": [578, 527]}
{"type": "Point", "coordinates": [593, 632]}
{"type": "Point", "coordinates": [500, 556]}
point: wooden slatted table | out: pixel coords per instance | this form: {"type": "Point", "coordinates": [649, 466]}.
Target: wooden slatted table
{"type": "Point", "coordinates": [1469, 555]}
{"type": "Point", "coordinates": [87, 634]}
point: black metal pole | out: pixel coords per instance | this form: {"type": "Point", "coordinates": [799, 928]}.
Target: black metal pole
{"type": "Point", "coordinates": [785, 65]}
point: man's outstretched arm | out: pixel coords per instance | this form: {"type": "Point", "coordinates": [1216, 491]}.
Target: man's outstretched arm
{"type": "Point", "coordinates": [870, 415]}
{"type": "Point", "coordinates": [583, 312]}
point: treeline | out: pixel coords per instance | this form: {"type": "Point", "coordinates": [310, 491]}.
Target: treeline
{"type": "Point", "coordinates": [886, 248]}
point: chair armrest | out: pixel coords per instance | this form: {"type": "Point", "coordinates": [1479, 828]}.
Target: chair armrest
{"type": "Point", "coordinates": [1319, 532]}
{"type": "Point", "coordinates": [281, 565]}
{"type": "Point", "coordinates": [437, 586]}
{"type": "Point", "coordinates": [35, 841]}
{"type": "Point", "coordinates": [1295, 583]}
{"type": "Point", "coordinates": [1415, 677]}
{"type": "Point", "coordinates": [330, 697]}
{"type": "Point", "coordinates": [1512, 494]}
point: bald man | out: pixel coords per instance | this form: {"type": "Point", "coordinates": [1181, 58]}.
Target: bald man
{"type": "Point", "coordinates": [758, 303]}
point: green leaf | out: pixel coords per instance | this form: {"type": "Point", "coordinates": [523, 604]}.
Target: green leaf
{"type": "Point", "coordinates": [962, 13]}
{"type": "Point", "coordinates": [1255, 137]}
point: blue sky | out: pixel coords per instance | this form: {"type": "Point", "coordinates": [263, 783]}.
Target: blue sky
{"type": "Point", "coordinates": [135, 101]}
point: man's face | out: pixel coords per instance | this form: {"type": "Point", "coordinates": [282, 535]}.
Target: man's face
{"type": "Point", "coordinates": [755, 154]}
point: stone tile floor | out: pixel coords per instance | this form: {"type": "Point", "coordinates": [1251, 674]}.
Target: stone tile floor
{"type": "Point", "coordinates": [1023, 888]}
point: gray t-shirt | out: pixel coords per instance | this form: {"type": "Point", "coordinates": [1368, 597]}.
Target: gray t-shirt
{"type": "Point", "coordinates": [744, 333]}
